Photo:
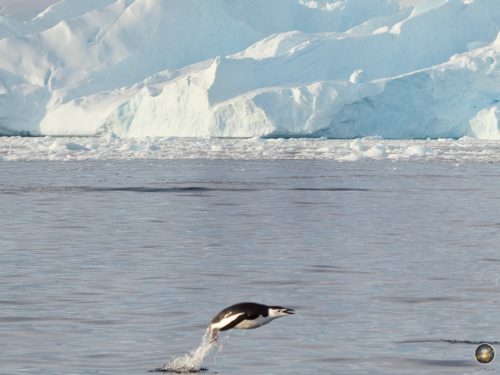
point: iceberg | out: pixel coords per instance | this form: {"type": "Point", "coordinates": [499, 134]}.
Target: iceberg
{"type": "Point", "coordinates": [253, 68]}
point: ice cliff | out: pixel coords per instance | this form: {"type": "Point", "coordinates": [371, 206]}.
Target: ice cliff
{"type": "Point", "coordinates": [245, 68]}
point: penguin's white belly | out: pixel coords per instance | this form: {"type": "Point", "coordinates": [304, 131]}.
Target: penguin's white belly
{"type": "Point", "coordinates": [249, 324]}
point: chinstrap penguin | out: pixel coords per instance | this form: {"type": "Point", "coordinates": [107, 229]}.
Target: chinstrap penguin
{"type": "Point", "coordinates": [246, 315]}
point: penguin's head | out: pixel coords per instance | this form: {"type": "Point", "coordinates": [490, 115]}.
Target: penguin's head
{"type": "Point", "coordinates": [278, 311]}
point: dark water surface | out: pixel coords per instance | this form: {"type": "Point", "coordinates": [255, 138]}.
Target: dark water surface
{"type": "Point", "coordinates": [115, 267]}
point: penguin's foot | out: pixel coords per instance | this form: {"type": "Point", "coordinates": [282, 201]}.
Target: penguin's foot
{"type": "Point", "coordinates": [214, 335]}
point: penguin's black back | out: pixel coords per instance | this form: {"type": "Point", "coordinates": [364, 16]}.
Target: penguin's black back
{"type": "Point", "coordinates": [250, 309]}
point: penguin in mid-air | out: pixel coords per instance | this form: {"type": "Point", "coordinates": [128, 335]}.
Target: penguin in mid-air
{"type": "Point", "coordinates": [246, 315]}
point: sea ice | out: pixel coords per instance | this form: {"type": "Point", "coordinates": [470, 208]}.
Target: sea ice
{"type": "Point", "coordinates": [107, 147]}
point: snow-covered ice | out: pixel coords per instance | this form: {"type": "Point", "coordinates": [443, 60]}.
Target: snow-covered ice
{"type": "Point", "coordinates": [247, 68]}
{"type": "Point", "coordinates": [111, 147]}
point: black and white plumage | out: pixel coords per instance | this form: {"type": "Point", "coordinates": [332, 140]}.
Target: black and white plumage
{"type": "Point", "coordinates": [246, 315]}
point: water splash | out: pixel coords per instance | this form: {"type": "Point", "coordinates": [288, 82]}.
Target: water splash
{"type": "Point", "coordinates": [193, 361]}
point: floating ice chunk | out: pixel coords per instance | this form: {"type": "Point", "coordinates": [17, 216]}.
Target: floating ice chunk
{"type": "Point", "coordinates": [417, 150]}
{"type": "Point", "coordinates": [376, 152]}
{"type": "Point", "coordinates": [57, 144]}
{"type": "Point", "coordinates": [357, 146]}
{"type": "Point", "coordinates": [353, 156]}
{"type": "Point", "coordinates": [72, 146]}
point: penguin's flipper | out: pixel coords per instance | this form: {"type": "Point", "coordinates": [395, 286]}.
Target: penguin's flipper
{"type": "Point", "coordinates": [238, 320]}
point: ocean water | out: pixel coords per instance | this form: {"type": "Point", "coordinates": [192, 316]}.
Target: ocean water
{"type": "Point", "coordinates": [117, 267]}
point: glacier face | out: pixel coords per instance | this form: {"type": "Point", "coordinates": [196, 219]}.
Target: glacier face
{"type": "Point", "coordinates": [245, 68]}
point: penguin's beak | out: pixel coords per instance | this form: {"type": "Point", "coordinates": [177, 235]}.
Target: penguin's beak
{"type": "Point", "coordinates": [289, 311]}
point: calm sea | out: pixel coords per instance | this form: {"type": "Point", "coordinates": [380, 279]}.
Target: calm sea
{"type": "Point", "coordinates": [117, 267]}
